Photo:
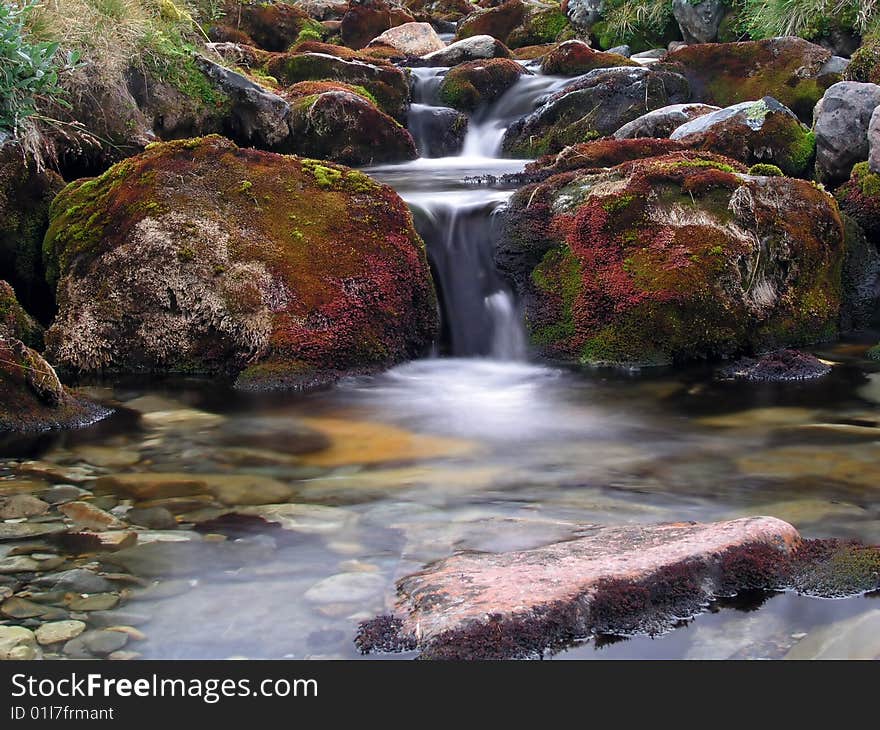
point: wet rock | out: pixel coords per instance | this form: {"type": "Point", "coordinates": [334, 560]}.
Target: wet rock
{"type": "Point", "coordinates": [411, 39]}
{"type": "Point", "coordinates": [469, 49]}
{"type": "Point", "coordinates": [789, 69]}
{"type": "Point", "coordinates": [89, 517]}
{"type": "Point", "coordinates": [18, 643]}
{"type": "Point", "coordinates": [305, 518]}
{"type": "Point", "coordinates": [153, 518]}
{"type": "Point", "coordinates": [859, 198]}
{"type": "Point", "coordinates": [77, 580]}
{"type": "Point", "coordinates": [170, 559]}
{"type": "Point", "coordinates": [874, 142]}
{"type": "Point", "coordinates": [782, 366]}
{"type": "Point", "coordinates": [29, 530]}
{"type": "Point", "coordinates": [17, 607]}
{"type": "Point", "coordinates": [840, 122]}
{"type": "Point", "coordinates": [574, 58]}
{"type": "Point", "coordinates": [860, 279]}
{"type": "Point", "coordinates": [272, 26]}
{"type": "Point", "coordinates": [599, 288]}
{"type": "Point", "coordinates": [107, 456]}
{"type": "Point", "coordinates": [107, 619]}
{"type": "Point", "coordinates": [439, 131]}
{"type": "Point", "coordinates": [477, 84]}
{"type": "Point", "coordinates": [150, 486]}
{"type": "Point", "coordinates": [366, 19]}
{"type": "Point", "coordinates": [594, 105]}
{"type": "Point", "coordinates": [57, 631]}
{"type": "Point", "coordinates": [699, 21]}
{"type": "Point", "coordinates": [516, 23]}
{"type": "Point", "coordinates": [245, 489]}
{"type": "Point", "coordinates": [612, 579]}
{"type": "Point", "coordinates": [93, 602]}
{"type": "Point", "coordinates": [15, 321]}
{"type": "Point", "coordinates": [21, 505]}
{"type": "Point", "coordinates": [598, 154]}
{"type": "Point", "coordinates": [18, 564]}
{"type": "Point", "coordinates": [56, 472]}
{"type": "Point", "coordinates": [584, 13]}
{"type": "Point", "coordinates": [219, 278]}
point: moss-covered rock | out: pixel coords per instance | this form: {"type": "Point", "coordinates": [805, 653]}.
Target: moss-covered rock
{"type": "Point", "coordinates": [478, 83]}
{"type": "Point", "coordinates": [447, 11]}
{"type": "Point", "coordinates": [865, 63]}
{"type": "Point", "coordinates": [25, 195]}
{"type": "Point", "coordinates": [673, 258]}
{"type": "Point", "coordinates": [790, 70]}
{"type": "Point", "coordinates": [859, 198]}
{"type": "Point", "coordinates": [753, 132]}
{"type": "Point", "coordinates": [517, 23]}
{"type": "Point", "coordinates": [272, 26]}
{"type": "Point", "coordinates": [367, 19]}
{"type": "Point", "coordinates": [574, 57]}
{"type": "Point", "coordinates": [387, 85]}
{"type": "Point", "coordinates": [595, 105]}
{"type": "Point", "coordinates": [31, 396]}
{"type": "Point", "coordinates": [346, 127]}
{"type": "Point", "coordinates": [15, 322]}
{"type": "Point", "coordinates": [601, 153]}
{"type": "Point", "coordinates": [198, 256]}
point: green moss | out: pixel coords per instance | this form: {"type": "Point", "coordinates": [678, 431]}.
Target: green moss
{"type": "Point", "coordinates": [764, 170]}
{"type": "Point", "coordinates": [171, 59]}
{"type": "Point", "coordinates": [868, 182]}
{"type": "Point", "coordinates": [873, 353]}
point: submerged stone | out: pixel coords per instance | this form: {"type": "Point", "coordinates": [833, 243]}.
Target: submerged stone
{"type": "Point", "coordinates": [778, 367]}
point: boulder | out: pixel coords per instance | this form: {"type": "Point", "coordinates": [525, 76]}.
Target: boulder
{"type": "Point", "coordinates": [699, 21]}
{"type": "Point", "coordinates": [439, 12]}
{"type": "Point", "coordinates": [859, 198]}
{"type": "Point", "coordinates": [673, 258]}
{"type": "Point", "coordinates": [622, 580]}
{"type": "Point", "coordinates": [662, 122]}
{"type": "Point", "coordinates": [600, 153]}
{"type": "Point", "coordinates": [345, 127]}
{"type": "Point", "coordinates": [874, 142]}
{"type": "Point", "coordinates": [516, 23]}
{"type": "Point", "coordinates": [782, 366]}
{"type": "Point", "coordinates": [438, 131]}
{"type": "Point", "coordinates": [324, 9]}
{"type": "Point", "coordinates": [840, 122]}
{"type": "Point", "coordinates": [790, 70]}
{"type": "Point", "coordinates": [753, 132]}
{"type": "Point", "coordinates": [865, 63]}
{"type": "Point", "coordinates": [411, 39]}
{"type": "Point", "coordinates": [367, 19]}
{"type": "Point", "coordinates": [272, 26]}
{"type": "Point", "coordinates": [583, 14]}
{"type": "Point", "coordinates": [594, 105]}
{"type": "Point", "coordinates": [278, 270]}
{"type": "Point", "coordinates": [468, 49]}
{"type": "Point", "coordinates": [15, 322]}
{"type": "Point", "coordinates": [32, 397]}
{"type": "Point", "coordinates": [476, 84]}
{"type": "Point", "coordinates": [574, 58]}
{"type": "Point", "coordinates": [860, 279]}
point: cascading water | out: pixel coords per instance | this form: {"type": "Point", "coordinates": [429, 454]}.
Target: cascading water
{"type": "Point", "coordinates": [460, 221]}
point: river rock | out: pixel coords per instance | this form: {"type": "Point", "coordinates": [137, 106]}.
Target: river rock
{"type": "Point", "coordinates": [62, 493]}
{"type": "Point", "coordinates": [271, 26]}
{"type": "Point", "coordinates": [20, 608]}
{"type": "Point", "coordinates": [93, 602]}
{"type": "Point", "coordinates": [840, 122]}
{"type": "Point", "coordinates": [777, 367]}
{"type": "Point", "coordinates": [575, 57]}
{"type": "Point", "coordinates": [477, 84]}
{"type": "Point", "coordinates": [77, 580]}
{"type": "Point", "coordinates": [753, 132]}
{"type": "Point", "coordinates": [874, 142]}
{"type": "Point", "coordinates": [584, 13]}
{"type": "Point", "coordinates": [789, 69]}
{"type": "Point", "coordinates": [859, 198]}
{"type": "Point", "coordinates": [699, 21]}
{"type": "Point", "coordinates": [89, 517]}
{"type": "Point", "coordinates": [468, 49]}
{"type": "Point", "coordinates": [366, 19]}
{"type": "Point", "coordinates": [594, 105]}
{"type": "Point", "coordinates": [21, 505]}
{"type": "Point", "coordinates": [530, 600]}
{"type": "Point", "coordinates": [219, 278]}
{"type": "Point", "coordinates": [56, 631]}
{"type": "Point", "coordinates": [599, 288]}
{"type": "Point", "coordinates": [18, 643]}
{"type": "Point", "coordinates": [153, 518]}
{"type": "Point", "coordinates": [29, 530]}
{"type": "Point", "coordinates": [439, 131]}
{"type": "Point", "coordinates": [411, 39]}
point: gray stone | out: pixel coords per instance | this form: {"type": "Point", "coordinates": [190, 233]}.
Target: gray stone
{"type": "Point", "coordinates": [661, 122]}
{"type": "Point", "coordinates": [874, 142]}
{"type": "Point", "coordinates": [623, 50]}
{"type": "Point", "coordinates": [17, 642]}
{"type": "Point", "coordinates": [63, 493]}
{"type": "Point", "coordinates": [78, 580]}
{"type": "Point", "coordinates": [699, 21]}
{"type": "Point", "coordinates": [470, 49]}
{"type": "Point", "coordinates": [438, 131]}
{"type": "Point", "coordinates": [154, 518]}
{"type": "Point", "coordinates": [841, 122]}
{"type": "Point", "coordinates": [27, 530]}
{"type": "Point", "coordinates": [57, 631]}
{"type": "Point", "coordinates": [654, 53]}
{"type": "Point", "coordinates": [584, 13]}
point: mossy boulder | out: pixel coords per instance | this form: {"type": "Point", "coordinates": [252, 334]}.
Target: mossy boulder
{"type": "Point", "coordinates": [25, 196]}
{"type": "Point", "coordinates": [411, 39]}
{"type": "Point", "coordinates": [388, 85]}
{"type": "Point", "coordinates": [673, 258]}
{"type": "Point", "coordinates": [592, 106]}
{"type": "Point", "coordinates": [865, 63]}
{"type": "Point", "coordinates": [15, 322]}
{"type": "Point", "coordinates": [517, 23]}
{"type": "Point", "coordinates": [664, 121]}
{"type": "Point", "coordinates": [367, 19]}
{"type": "Point", "coordinates": [753, 132]}
{"type": "Point", "coordinates": [601, 153]}
{"type": "Point", "coordinates": [574, 58]}
{"type": "Point", "coordinates": [859, 198]}
{"type": "Point", "coordinates": [791, 70]}
{"type": "Point", "coordinates": [32, 397]}
{"type": "Point", "coordinates": [478, 83]}
{"type": "Point", "coordinates": [345, 127]}
{"type": "Point", "coordinates": [272, 26]}
{"type": "Point", "coordinates": [198, 256]}
{"type": "Point", "coordinates": [446, 11]}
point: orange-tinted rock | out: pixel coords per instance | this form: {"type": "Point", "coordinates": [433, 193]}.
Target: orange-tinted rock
{"type": "Point", "coordinates": [478, 83]}
{"type": "Point", "coordinates": [367, 19]}
{"type": "Point", "coordinates": [411, 39]}
{"type": "Point", "coordinates": [273, 26]}
{"type": "Point", "coordinates": [573, 58]}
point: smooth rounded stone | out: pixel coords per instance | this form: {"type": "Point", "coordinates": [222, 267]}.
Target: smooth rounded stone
{"type": "Point", "coordinates": [247, 489]}
{"type": "Point", "coordinates": [854, 638]}
{"type": "Point", "coordinates": [153, 518]}
{"type": "Point", "coordinates": [124, 656]}
{"type": "Point", "coordinates": [169, 559]}
{"type": "Point", "coordinates": [347, 588]}
{"type": "Point", "coordinates": [56, 472]}
{"type": "Point", "coordinates": [857, 464]}
{"type": "Point", "coordinates": [107, 457]}
{"type": "Point", "coordinates": [306, 518]}
{"type": "Point", "coordinates": [18, 643]}
{"type": "Point", "coordinates": [438, 131]}
{"type": "Point", "coordinates": [760, 418]}
{"type": "Point", "coordinates": [623, 50]}
{"type": "Point", "coordinates": [470, 49]}
{"type": "Point", "coordinates": [181, 418]}
{"type": "Point", "coordinates": [181, 505]}
{"type": "Point", "coordinates": [63, 493]}
{"type": "Point", "coordinates": [106, 619]}
{"type": "Point", "coordinates": [650, 55]}
{"type": "Point", "coordinates": [94, 602]}
{"type": "Point", "coordinates": [21, 505]}
{"type": "Point", "coordinates": [17, 607]}
{"type": "Point", "coordinates": [840, 122]}
{"type": "Point", "coordinates": [699, 21]}
{"type": "Point", "coordinates": [56, 631]}
{"type": "Point", "coordinates": [77, 580]}
{"type": "Point", "coordinates": [411, 39]}
{"type": "Point", "coordinates": [89, 517]}
{"type": "Point", "coordinates": [95, 642]}
{"type": "Point", "coordinates": [18, 564]}
{"type": "Point", "coordinates": [150, 486]}
{"type": "Point", "coordinates": [783, 366]}
{"type": "Point", "coordinates": [661, 122]}
{"type": "Point", "coordinates": [28, 530]}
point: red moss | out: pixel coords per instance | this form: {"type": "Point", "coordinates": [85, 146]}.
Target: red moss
{"type": "Point", "coordinates": [859, 198]}
{"type": "Point", "coordinates": [607, 152]}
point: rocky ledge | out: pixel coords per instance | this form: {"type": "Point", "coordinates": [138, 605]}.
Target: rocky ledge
{"type": "Point", "coordinates": [611, 580]}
